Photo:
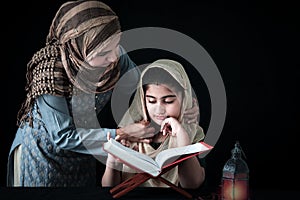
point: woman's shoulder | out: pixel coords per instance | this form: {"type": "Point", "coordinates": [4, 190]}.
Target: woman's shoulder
{"type": "Point", "coordinates": [125, 61]}
{"type": "Point", "coordinates": [51, 99]}
{"type": "Point", "coordinates": [53, 102]}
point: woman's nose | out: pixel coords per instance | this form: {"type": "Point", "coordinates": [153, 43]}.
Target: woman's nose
{"type": "Point", "coordinates": [113, 56]}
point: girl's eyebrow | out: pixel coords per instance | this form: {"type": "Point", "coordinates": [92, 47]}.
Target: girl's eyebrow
{"type": "Point", "coordinates": [164, 97]}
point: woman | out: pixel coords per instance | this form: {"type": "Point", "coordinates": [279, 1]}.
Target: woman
{"type": "Point", "coordinates": [164, 93]}
{"type": "Point", "coordinates": [77, 69]}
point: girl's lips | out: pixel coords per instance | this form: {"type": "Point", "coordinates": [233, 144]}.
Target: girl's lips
{"type": "Point", "coordinates": [160, 117]}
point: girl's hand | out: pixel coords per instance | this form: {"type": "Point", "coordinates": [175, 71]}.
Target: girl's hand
{"type": "Point", "coordinates": [112, 162]}
{"type": "Point", "coordinates": [192, 115]}
{"type": "Point", "coordinates": [172, 127]}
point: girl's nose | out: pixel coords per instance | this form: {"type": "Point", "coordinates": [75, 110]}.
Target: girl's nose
{"type": "Point", "coordinates": [160, 109]}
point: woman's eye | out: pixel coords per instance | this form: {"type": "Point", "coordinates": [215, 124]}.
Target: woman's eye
{"type": "Point", "coordinates": [101, 54]}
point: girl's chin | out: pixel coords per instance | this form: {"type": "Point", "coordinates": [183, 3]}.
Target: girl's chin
{"type": "Point", "coordinates": [157, 122]}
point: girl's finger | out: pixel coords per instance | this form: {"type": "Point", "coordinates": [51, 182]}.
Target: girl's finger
{"type": "Point", "coordinates": [108, 136]}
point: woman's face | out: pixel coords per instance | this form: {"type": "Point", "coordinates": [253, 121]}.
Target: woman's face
{"type": "Point", "coordinates": [162, 102]}
{"type": "Point", "coordinates": [109, 54]}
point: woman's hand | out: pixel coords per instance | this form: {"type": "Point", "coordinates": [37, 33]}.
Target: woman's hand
{"type": "Point", "coordinates": [136, 132]}
{"type": "Point", "coordinates": [192, 115]}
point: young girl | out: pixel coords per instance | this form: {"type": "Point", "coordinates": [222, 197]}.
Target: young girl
{"type": "Point", "coordinates": [164, 93]}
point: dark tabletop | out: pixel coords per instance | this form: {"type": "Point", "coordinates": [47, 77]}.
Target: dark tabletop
{"type": "Point", "coordinates": [137, 193]}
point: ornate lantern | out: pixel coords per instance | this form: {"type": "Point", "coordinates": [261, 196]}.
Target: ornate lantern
{"type": "Point", "coordinates": [235, 179]}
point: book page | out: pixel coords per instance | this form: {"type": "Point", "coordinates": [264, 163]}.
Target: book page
{"type": "Point", "coordinates": [132, 158]}
{"type": "Point", "coordinates": [170, 155]}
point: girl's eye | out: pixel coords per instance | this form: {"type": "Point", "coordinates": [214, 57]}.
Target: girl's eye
{"type": "Point", "coordinates": [151, 100]}
{"type": "Point", "coordinates": [168, 101]}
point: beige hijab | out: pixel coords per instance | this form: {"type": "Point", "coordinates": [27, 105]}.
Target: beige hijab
{"type": "Point", "coordinates": [137, 112]}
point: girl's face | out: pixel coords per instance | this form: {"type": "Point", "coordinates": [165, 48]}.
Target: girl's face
{"type": "Point", "coordinates": [162, 102]}
{"type": "Point", "coordinates": [109, 54]}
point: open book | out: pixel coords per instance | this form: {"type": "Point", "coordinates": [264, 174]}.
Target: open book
{"type": "Point", "coordinates": [145, 163]}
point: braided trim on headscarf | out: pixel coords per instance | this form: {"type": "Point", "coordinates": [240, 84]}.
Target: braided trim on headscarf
{"type": "Point", "coordinates": [78, 29]}
{"type": "Point", "coordinates": [45, 75]}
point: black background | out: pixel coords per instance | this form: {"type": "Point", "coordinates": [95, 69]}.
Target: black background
{"type": "Point", "coordinates": [255, 45]}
